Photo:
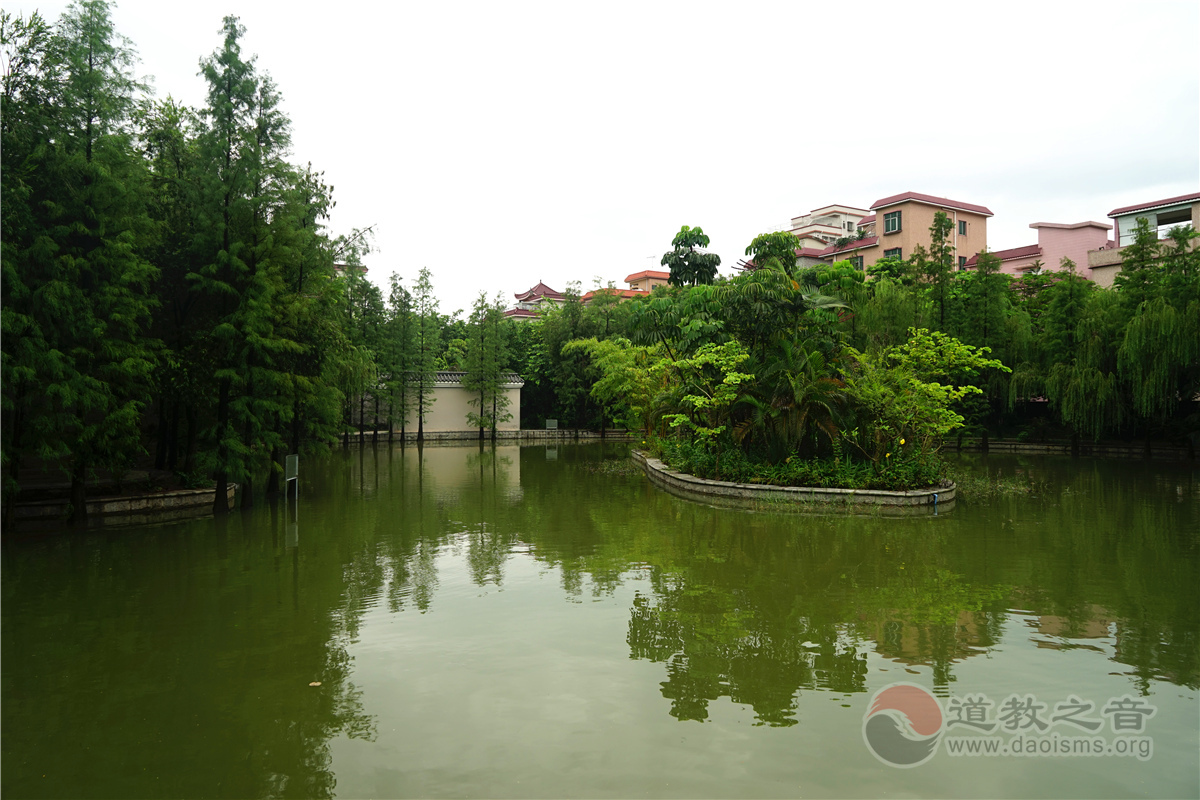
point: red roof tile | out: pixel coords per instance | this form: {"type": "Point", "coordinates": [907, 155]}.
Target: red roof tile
{"type": "Point", "coordinates": [867, 220]}
{"type": "Point", "coordinates": [930, 200]}
{"type": "Point", "coordinates": [647, 273]}
{"type": "Point", "coordinates": [857, 244]}
{"type": "Point", "coordinates": [1010, 254]}
{"type": "Point", "coordinates": [540, 290]}
{"type": "Point", "coordinates": [622, 293]}
{"type": "Point", "coordinates": [520, 312]}
{"type": "Point", "coordinates": [1170, 201]}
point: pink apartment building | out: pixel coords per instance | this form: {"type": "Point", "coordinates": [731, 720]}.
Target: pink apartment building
{"type": "Point", "coordinates": [1056, 241]}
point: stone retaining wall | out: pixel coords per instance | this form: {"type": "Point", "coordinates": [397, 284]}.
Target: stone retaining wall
{"type": "Point", "coordinates": [522, 435]}
{"type": "Point", "coordinates": [125, 510]}
{"type": "Point", "coordinates": [1156, 450]}
{"type": "Point", "coordinates": [800, 498]}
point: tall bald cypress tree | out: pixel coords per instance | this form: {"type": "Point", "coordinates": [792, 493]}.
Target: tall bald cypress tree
{"type": "Point", "coordinates": [245, 221]}
{"type": "Point", "coordinates": [425, 351]}
{"type": "Point", "coordinates": [486, 360]}
{"type": "Point", "coordinates": [79, 298]}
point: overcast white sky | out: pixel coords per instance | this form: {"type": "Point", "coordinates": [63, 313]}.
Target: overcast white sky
{"type": "Point", "coordinates": [500, 143]}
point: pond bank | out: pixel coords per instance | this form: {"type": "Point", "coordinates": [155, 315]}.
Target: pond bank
{"type": "Point", "coordinates": [117, 510]}
{"type": "Point", "coordinates": [1157, 450]}
{"type": "Point", "coordinates": [918, 502]}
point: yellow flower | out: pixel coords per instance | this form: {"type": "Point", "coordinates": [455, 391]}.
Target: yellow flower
{"type": "Point", "coordinates": [901, 441]}
{"type": "Point", "coordinates": [889, 455]}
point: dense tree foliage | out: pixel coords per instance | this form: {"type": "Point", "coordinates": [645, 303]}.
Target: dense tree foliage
{"type": "Point", "coordinates": [172, 295]}
{"type": "Point", "coordinates": [688, 263]}
{"type": "Point", "coordinates": [816, 374]}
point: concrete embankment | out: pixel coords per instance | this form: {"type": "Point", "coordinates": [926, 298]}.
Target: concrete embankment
{"type": "Point", "coordinates": [919, 502]}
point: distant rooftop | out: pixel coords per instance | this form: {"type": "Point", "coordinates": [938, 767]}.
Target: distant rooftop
{"type": "Point", "coordinates": [1170, 201]}
{"type": "Point", "coordinates": [856, 244]}
{"type": "Point", "coordinates": [539, 290]}
{"type": "Point", "coordinates": [1010, 254]}
{"type": "Point", "coordinates": [647, 273]}
{"type": "Point", "coordinates": [928, 199]}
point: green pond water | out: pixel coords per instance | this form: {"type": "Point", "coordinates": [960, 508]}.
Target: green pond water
{"type": "Point", "coordinates": [542, 622]}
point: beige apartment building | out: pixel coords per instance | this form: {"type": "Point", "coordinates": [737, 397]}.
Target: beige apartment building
{"type": "Point", "coordinates": [902, 221]}
{"type": "Point", "coordinates": [821, 227]}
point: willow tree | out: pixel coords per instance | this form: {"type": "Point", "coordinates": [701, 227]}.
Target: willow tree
{"type": "Point", "coordinates": [1159, 355]}
{"type": "Point", "coordinates": [1084, 389]}
{"type": "Point", "coordinates": [1160, 346]}
{"type": "Point", "coordinates": [885, 317]}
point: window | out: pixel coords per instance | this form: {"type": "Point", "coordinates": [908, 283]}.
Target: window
{"type": "Point", "coordinates": [891, 222]}
{"type": "Point", "coordinates": [850, 227]}
{"type": "Point", "coordinates": [893, 253]}
{"type": "Point", "coordinates": [857, 261]}
{"type": "Point", "coordinates": [962, 227]}
{"type": "Point", "coordinates": [962, 262]}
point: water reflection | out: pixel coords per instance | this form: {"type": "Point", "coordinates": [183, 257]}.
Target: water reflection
{"type": "Point", "coordinates": [153, 655]}
{"type": "Point", "coordinates": [136, 662]}
{"type": "Point", "coordinates": [758, 607]}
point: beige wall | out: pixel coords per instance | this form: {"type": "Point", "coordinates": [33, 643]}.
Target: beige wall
{"type": "Point", "coordinates": [453, 403]}
{"type": "Point", "coordinates": [915, 221]}
{"type": "Point", "coordinates": [647, 283]}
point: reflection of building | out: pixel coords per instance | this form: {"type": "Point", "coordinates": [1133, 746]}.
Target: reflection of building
{"type": "Point", "coordinates": [931, 643]}
{"type": "Point", "coordinates": [452, 403]}
{"type": "Point", "coordinates": [1105, 262]}
{"type": "Point", "coordinates": [1055, 242]}
{"type": "Point", "coordinates": [457, 467]}
{"type": "Point", "coordinates": [533, 301]}
{"type": "Point", "coordinates": [1093, 623]}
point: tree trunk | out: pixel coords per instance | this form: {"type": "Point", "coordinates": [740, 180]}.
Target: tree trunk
{"type": "Point", "coordinates": [273, 478]}
{"type": "Point", "coordinates": [173, 438]}
{"type": "Point", "coordinates": [220, 503]}
{"type": "Point", "coordinates": [375, 429]}
{"type": "Point", "coordinates": [79, 514]}
{"type": "Point", "coordinates": [295, 423]}
{"type": "Point", "coordinates": [248, 483]}
{"type": "Point", "coordinates": [164, 432]}
{"type": "Point", "coordinates": [348, 422]}
{"type": "Point", "coordinates": [189, 453]}
{"type": "Point", "coordinates": [421, 416]}
{"type": "Point", "coordinates": [9, 495]}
